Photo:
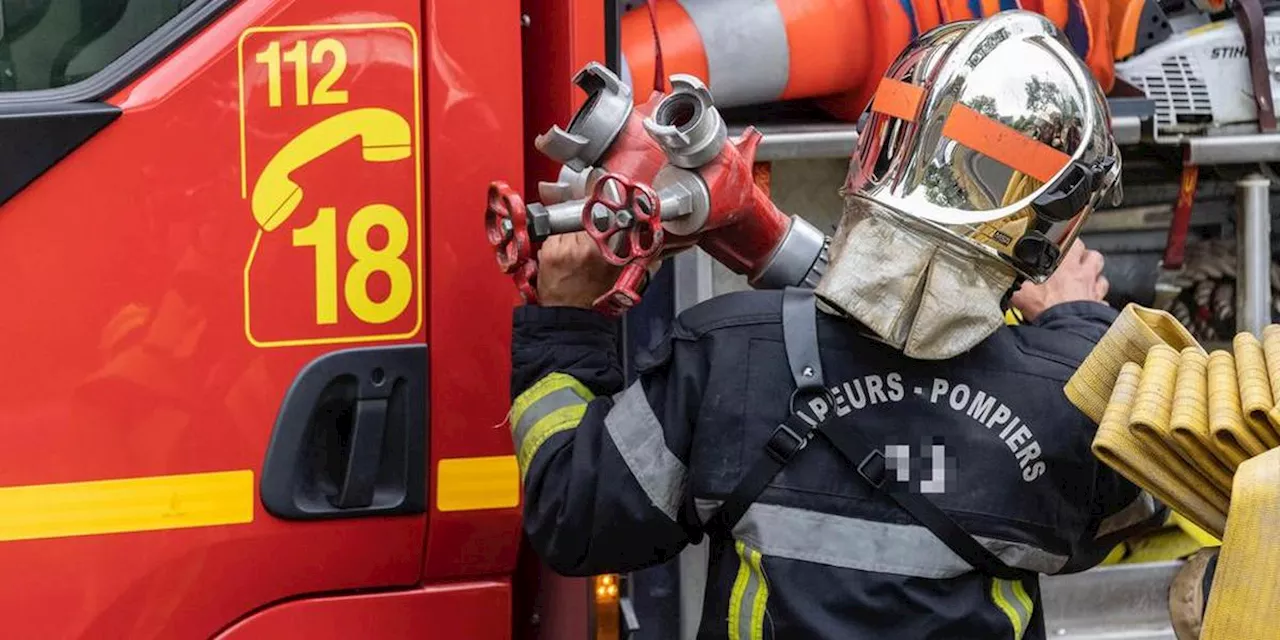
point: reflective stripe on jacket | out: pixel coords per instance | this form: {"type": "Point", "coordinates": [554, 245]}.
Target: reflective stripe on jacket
{"type": "Point", "coordinates": [617, 479]}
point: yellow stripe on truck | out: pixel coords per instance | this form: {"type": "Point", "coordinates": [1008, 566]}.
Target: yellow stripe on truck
{"type": "Point", "coordinates": [126, 505]}
{"type": "Point", "coordinates": [472, 484]}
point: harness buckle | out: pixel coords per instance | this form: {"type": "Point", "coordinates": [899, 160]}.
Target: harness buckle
{"type": "Point", "coordinates": [784, 443]}
{"type": "Point", "coordinates": [872, 468]}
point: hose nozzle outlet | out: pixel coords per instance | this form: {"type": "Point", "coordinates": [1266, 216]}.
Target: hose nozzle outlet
{"type": "Point", "coordinates": [687, 125]}
{"type": "Point", "coordinates": [596, 124]}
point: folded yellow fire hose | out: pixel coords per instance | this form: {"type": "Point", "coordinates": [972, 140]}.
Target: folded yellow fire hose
{"type": "Point", "coordinates": [1245, 599]}
{"type": "Point", "coordinates": [1199, 432]}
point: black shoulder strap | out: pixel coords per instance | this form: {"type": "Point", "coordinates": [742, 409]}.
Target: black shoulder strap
{"type": "Point", "coordinates": [800, 333]}
{"type": "Point", "coordinates": [799, 316]}
{"type": "Point", "coordinates": [800, 338]}
{"type": "Point", "coordinates": [870, 465]}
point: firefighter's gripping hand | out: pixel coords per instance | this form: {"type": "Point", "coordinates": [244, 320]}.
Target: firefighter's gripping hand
{"type": "Point", "coordinates": [1078, 278]}
{"type": "Point", "coordinates": [571, 272]}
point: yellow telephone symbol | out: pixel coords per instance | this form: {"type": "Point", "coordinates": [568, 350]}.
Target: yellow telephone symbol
{"type": "Point", "coordinates": [384, 135]}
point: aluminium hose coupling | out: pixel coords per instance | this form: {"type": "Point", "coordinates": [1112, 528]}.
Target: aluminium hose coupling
{"type": "Point", "coordinates": [687, 125]}
{"type": "Point", "coordinates": [596, 124]}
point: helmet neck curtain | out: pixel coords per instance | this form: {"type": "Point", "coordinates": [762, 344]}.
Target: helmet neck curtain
{"type": "Point", "coordinates": [927, 301]}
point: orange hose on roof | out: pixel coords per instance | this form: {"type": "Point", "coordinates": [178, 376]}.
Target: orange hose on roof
{"type": "Point", "coordinates": [1100, 58]}
{"type": "Point", "coordinates": [1056, 11]}
{"type": "Point", "coordinates": [682, 50]}
{"type": "Point", "coordinates": [1126, 15]}
{"type": "Point", "coordinates": [825, 38]}
{"type": "Point", "coordinates": [751, 53]}
{"type": "Point", "coordinates": [832, 50]}
{"type": "Point", "coordinates": [928, 14]}
{"type": "Point", "coordinates": [955, 10]}
{"type": "Point", "coordinates": [891, 35]}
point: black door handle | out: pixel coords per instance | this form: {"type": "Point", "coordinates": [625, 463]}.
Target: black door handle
{"type": "Point", "coordinates": [364, 455]}
{"type": "Point", "coordinates": [350, 439]}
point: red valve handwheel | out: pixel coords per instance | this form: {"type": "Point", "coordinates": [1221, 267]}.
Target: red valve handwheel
{"type": "Point", "coordinates": [524, 278]}
{"type": "Point", "coordinates": [506, 225]}
{"type": "Point", "coordinates": [638, 201]}
{"type": "Point", "coordinates": [625, 292]}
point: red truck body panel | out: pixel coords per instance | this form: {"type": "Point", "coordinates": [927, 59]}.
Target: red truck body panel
{"type": "Point", "coordinates": [474, 124]}
{"type": "Point", "coordinates": [445, 611]}
{"type": "Point", "coordinates": [139, 390]}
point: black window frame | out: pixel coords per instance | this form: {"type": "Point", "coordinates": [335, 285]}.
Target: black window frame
{"type": "Point", "coordinates": [132, 63]}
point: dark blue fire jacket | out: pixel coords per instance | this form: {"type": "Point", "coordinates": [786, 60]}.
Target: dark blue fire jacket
{"type": "Point", "coordinates": [621, 479]}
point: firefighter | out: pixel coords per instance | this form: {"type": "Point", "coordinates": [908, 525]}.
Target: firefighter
{"type": "Point", "coordinates": [886, 458]}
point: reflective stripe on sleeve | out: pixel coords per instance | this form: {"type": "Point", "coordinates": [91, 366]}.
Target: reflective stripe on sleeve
{"type": "Point", "coordinates": [637, 434]}
{"type": "Point", "coordinates": [706, 508]}
{"type": "Point", "coordinates": [1011, 598]}
{"type": "Point", "coordinates": [553, 404]}
{"type": "Point", "coordinates": [1139, 510]}
{"type": "Point", "coordinates": [749, 596]}
{"type": "Point", "coordinates": [867, 545]}
{"type": "Point", "coordinates": [555, 401]}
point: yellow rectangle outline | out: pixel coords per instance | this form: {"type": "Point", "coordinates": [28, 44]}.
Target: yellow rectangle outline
{"type": "Point", "coordinates": [417, 161]}
{"type": "Point", "coordinates": [474, 484]}
{"type": "Point", "coordinates": [126, 505]}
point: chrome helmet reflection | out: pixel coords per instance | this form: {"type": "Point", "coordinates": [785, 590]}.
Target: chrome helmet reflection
{"type": "Point", "coordinates": [994, 137]}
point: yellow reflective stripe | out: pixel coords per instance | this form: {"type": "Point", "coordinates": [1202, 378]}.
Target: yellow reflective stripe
{"type": "Point", "coordinates": [1012, 599]}
{"type": "Point", "coordinates": [126, 505]}
{"type": "Point", "coordinates": [550, 383]}
{"type": "Point", "coordinates": [554, 422]}
{"type": "Point", "coordinates": [762, 596]}
{"type": "Point", "coordinates": [739, 590]}
{"type": "Point", "coordinates": [749, 596]}
{"type": "Point", "coordinates": [472, 484]}
{"type": "Point", "coordinates": [1023, 598]}
{"type": "Point", "coordinates": [553, 404]}
{"type": "Point", "coordinates": [1006, 607]}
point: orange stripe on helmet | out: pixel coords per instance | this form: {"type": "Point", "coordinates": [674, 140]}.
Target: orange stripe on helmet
{"type": "Point", "coordinates": [1004, 144]}
{"type": "Point", "coordinates": [990, 7]}
{"type": "Point", "coordinates": [898, 99]}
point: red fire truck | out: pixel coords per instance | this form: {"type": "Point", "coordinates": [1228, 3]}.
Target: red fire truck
{"type": "Point", "coordinates": [254, 347]}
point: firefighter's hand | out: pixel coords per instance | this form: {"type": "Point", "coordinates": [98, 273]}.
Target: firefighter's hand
{"type": "Point", "coordinates": [1078, 278]}
{"type": "Point", "coordinates": [571, 272]}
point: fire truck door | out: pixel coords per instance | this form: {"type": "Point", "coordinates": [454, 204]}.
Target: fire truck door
{"type": "Point", "coordinates": [213, 354]}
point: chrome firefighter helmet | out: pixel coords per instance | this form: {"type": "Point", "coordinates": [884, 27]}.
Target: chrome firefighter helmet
{"type": "Point", "coordinates": [993, 137]}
